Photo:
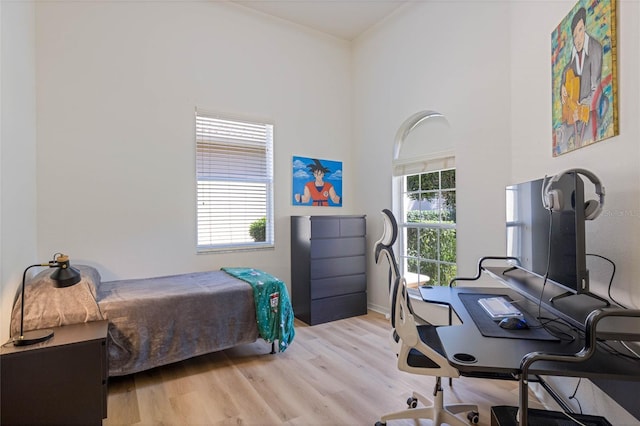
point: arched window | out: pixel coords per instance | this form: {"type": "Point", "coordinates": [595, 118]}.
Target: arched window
{"type": "Point", "coordinates": [425, 199]}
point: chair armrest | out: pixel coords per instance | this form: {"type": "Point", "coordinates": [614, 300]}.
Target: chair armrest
{"type": "Point", "coordinates": [591, 334]}
{"type": "Point", "coordinates": [591, 326]}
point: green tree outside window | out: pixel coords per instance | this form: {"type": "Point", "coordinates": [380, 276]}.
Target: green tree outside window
{"type": "Point", "coordinates": [430, 225]}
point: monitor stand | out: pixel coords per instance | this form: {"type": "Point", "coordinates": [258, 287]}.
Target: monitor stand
{"type": "Point", "coordinates": [586, 293]}
{"type": "Point", "coordinates": [509, 269]}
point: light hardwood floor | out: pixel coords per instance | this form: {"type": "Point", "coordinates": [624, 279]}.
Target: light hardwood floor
{"type": "Point", "coordinates": [338, 373]}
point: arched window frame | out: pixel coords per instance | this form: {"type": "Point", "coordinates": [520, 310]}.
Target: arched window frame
{"type": "Point", "coordinates": [424, 202]}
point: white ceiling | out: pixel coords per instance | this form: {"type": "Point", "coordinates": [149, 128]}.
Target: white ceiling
{"type": "Point", "coordinates": [345, 19]}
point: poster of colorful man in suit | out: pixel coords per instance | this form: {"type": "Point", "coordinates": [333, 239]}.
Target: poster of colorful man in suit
{"type": "Point", "coordinates": [584, 84]}
{"type": "Point", "coordinates": [317, 182]}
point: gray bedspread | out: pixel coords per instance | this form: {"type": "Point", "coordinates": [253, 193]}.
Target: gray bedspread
{"type": "Point", "coordinates": [152, 322]}
{"type": "Point", "coordinates": [161, 320]}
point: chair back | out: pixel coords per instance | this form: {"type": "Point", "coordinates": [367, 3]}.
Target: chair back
{"type": "Point", "coordinates": [410, 339]}
{"type": "Point", "coordinates": [384, 247]}
{"type": "Point", "coordinates": [405, 338]}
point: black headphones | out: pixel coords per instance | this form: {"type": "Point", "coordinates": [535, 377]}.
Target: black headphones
{"type": "Point", "coordinates": [552, 197]}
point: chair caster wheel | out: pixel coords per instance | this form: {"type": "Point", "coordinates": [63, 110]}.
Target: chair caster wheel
{"type": "Point", "coordinates": [412, 402]}
{"type": "Point", "coordinates": [381, 424]}
{"type": "Point", "coordinates": [473, 416]}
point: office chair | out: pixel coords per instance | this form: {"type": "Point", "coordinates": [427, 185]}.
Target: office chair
{"type": "Point", "coordinates": [417, 347]}
{"type": "Point", "coordinates": [384, 246]}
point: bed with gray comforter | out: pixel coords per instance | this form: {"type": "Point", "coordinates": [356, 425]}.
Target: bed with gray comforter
{"type": "Point", "coordinates": [152, 322]}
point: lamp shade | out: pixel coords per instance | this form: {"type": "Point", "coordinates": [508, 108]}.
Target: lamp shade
{"type": "Point", "coordinates": [65, 275]}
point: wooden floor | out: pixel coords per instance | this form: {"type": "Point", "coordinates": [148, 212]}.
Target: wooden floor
{"type": "Point", "coordinates": [339, 373]}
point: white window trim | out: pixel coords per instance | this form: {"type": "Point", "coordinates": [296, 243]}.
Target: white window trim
{"type": "Point", "coordinates": [426, 164]}
{"type": "Point", "coordinates": [268, 180]}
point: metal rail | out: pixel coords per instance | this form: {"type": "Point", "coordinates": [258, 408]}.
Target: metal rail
{"type": "Point", "coordinates": [582, 355]}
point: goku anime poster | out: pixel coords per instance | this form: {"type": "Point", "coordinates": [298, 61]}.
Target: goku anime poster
{"type": "Point", "coordinates": [317, 182]}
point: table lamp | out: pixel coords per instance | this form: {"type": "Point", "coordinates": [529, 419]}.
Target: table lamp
{"type": "Point", "coordinates": [64, 276]}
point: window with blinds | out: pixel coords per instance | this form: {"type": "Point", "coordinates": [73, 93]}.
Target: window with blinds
{"type": "Point", "coordinates": [234, 172]}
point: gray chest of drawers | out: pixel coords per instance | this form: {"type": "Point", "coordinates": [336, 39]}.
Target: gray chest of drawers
{"type": "Point", "coordinates": [328, 267]}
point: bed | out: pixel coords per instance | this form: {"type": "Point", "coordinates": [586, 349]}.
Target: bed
{"type": "Point", "coordinates": [157, 321]}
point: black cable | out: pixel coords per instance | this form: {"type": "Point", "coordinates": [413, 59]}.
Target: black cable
{"type": "Point", "coordinates": [575, 391]}
{"type": "Point", "coordinates": [559, 320]}
{"type": "Point", "coordinates": [554, 331]}
{"type": "Point", "coordinates": [613, 351]}
{"type": "Point", "coordinates": [613, 273]}
{"type": "Point", "coordinates": [570, 333]}
{"type": "Point", "coordinates": [546, 274]}
{"type": "Point", "coordinates": [557, 332]}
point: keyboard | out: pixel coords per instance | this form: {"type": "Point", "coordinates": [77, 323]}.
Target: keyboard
{"type": "Point", "coordinates": [499, 307]}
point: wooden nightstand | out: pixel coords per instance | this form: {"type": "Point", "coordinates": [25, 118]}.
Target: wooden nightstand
{"type": "Point", "coordinates": [60, 381]}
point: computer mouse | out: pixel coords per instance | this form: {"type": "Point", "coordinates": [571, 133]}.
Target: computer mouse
{"type": "Point", "coordinates": [514, 323]}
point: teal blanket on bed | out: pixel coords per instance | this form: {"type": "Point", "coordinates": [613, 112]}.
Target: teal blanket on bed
{"type": "Point", "coordinates": [273, 307]}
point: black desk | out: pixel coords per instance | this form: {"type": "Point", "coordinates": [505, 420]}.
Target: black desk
{"type": "Point", "coordinates": [501, 355]}
{"type": "Point", "coordinates": [574, 309]}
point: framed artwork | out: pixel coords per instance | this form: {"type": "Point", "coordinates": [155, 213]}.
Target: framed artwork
{"type": "Point", "coordinates": [316, 182]}
{"type": "Point", "coordinates": [584, 83]}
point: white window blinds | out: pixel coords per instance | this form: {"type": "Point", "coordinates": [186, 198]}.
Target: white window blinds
{"type": "Point", "coordinates": [234, 171]}
{"type": "Point", "coordinates": [424, 164]}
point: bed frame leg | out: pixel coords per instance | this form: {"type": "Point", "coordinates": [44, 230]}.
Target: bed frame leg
{"type": "Point", "coordinates": [273, 347]}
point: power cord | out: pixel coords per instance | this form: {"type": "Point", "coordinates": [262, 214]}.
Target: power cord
{"type": "Point", "coordinates": [565, 336]}
{"type": "Point", "coordinates": [629, 349]}
{"type": "Point", "coordinates": [575, 391]}
{"type": "Point", "coordinates": [613, 351]}
{"type": "Point", "coordinates": [613, 273]}
{"type": "Point", "coordinates": [624, 344]}
{"type": "Point", "coordinates": [573, 396]}
{"type": "Point", "coordinates": [546, 273]}
{"type": "Point", "coordinates": [545, 322]}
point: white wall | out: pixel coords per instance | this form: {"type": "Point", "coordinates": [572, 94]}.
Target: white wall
{"type": "Point", "coordinates": [17, 151]}
{"type": "Point", "coordinates": [615, 161]}
{"type": "Point", "coordinates": [427, 57]}
{"type": "Point", "coordinates": [117, 83]}
{"type": "Point", "coordinates": [117, 86]}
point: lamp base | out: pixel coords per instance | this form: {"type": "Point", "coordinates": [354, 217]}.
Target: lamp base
{"type": "Point", "coordinates": [32, 337]}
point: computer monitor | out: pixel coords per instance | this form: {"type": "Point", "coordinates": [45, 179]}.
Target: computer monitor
{"type": "Point", "coordinates": [559, 253]}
